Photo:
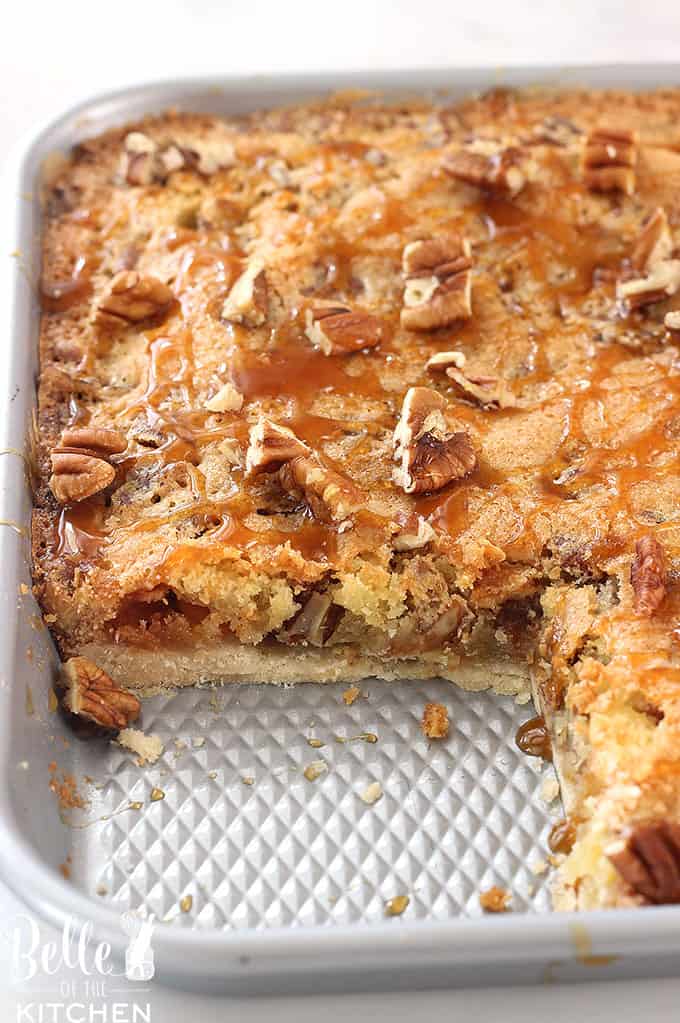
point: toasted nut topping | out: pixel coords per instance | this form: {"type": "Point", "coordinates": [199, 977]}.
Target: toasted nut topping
{"type": "Point", "coordinates": [435, 721]}
{"type": "Point", "coordinates": [271, 445]}
{"type": "Point", "coordinates": [79, 464]}
{"type": "Point", "coordinates": [495, 900]}
{"type": "Point", "coordinates": [648, 575]}
{"type": "Point", "coordinates": [654, 243]}
{"type": "Point", "coordinates": [440, 361]}
{"type": "Point", "coordinates": [494, 169]}
{"type": "Point", "coordinates": [429, 455]}
{"type": "Point", "coordinates": [672, 321]}
{"type": "Point", "coordinates": [92, 694]}
{"type": "Point", "coordinates": [227, 399]}
{"type": "Point", "coordinates": [649, 861]}
{"type": "Point", "coordinates": [489, 392]}
{"type": "Point", "coordinates": [247, 301]}
{"type": "Point", "coordinates": [330, 496]}
{"type": "Point", "coordinates": [416, 533]}
{"type": "Point", "coordinates": [608, 160]}
{"type": "Point", "coordinates": [662, 281]}
{"type": "Point", "coordinates": [336, 330]}
{"type": "Point", "coordinates": [438, 283]}
{"type": "Point", "coordinates": [132, 298]}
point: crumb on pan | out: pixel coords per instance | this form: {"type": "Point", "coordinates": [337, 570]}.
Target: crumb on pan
{"type": "Point", "coordinates": [495, 900]}
{"type": "Point", "coordinates": [148, 748]}
{"type": "Point", "coordinates": [435, 721]}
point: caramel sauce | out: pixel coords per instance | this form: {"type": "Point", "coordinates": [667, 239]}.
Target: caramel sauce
{"type": "Point", "coordinates": [79, 532]}
{"type": "Point", "coordinates": [533, 738]}
{"type": "Point", "coordinates": [562, 836]}
{"type": "Point", "coordinates": [59, 296]}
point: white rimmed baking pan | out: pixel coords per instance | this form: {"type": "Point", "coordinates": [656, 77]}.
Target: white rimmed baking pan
{"type": "Point", "coordinates": [259, 879]}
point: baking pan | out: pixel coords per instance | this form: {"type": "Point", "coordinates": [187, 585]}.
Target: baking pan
{"type": "Point", "coordinates": [258, 879]}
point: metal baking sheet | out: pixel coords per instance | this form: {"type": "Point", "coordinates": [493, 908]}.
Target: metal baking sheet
{"type": "Point", "coordinates": [259, 879]}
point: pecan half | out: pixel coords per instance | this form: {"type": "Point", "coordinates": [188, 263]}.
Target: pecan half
{"type": "Point", "coordinates": [608, 160]}
{"type": "Point", "coordinates": [132, 298]}
{"type": "Point", "coordinates": [92, 694]}
{"type": "Point", "coordinates": [80, 466]}
{"type": "Point", "coordinates": [649, 861]}
{"type": "Point", "coordinates": [662, 281]}
{"type": "Point", "coordinates": [654, 243]}
{"type": "Point", "coordinates": [648, 575]}
{"type": "Point", "coordinates": [487, 167]}
{"type": "Point", "coordinates": [331, 496]}
{"type": "Point", "coordinates": [438, 283]}
{"type": "Point", "coordinates": [270, 445]}
{"type": "Point", "coordinates": [336, 330]}
{"type": "Point", "coordinates": [247, 301]}
{"type": "Point", "coordinates": [428, 453]}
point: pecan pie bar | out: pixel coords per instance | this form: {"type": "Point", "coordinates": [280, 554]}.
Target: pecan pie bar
{"type": "Point", "coordinates": [354, 389]}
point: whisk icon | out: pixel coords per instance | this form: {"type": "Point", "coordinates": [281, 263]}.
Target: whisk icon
{"type": "Point", "coordinates": [139, 961]}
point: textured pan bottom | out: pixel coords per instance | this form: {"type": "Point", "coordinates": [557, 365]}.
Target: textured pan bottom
{"type": "Point", "coordinates": [226, 831]}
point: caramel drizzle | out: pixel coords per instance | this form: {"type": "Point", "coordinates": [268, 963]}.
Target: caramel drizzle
{"type": "Point", "coordinates": [293, 369]}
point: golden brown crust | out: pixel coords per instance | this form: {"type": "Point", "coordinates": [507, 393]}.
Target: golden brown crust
{"type": "Point", "coordinates": [565, 387]}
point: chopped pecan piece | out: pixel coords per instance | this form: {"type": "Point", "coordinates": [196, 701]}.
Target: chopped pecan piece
{"type": "Point", "coordinates": [92, 694]}
{"type": "Point", "coordinates": [139, 165]}
{"type": "Point", "coordinates": [441, 361]}
{"type": "Point", "coordinates": [648, 575]}
{"type": "Point", "coordinates": [227, 399]}
{"type": "Point", "coordinates": [435, 723]}
{"type": "Point", "coordinates": [331, 496]}
{"type": "Point", "coordinates": [315, 623]}
{"type": "Point", "coordinates": [654, 243]}
{"type": "Point", "coordinates": [145, 162]}
{"type": "Point", "coordinates": [132, 298]}
{"type": "Point", "coordinates": [672, 321]}
{"type": "Point", "coordinates": [428, 453]}
{"type": "Point", "coordinates": [488, 167]}
{"type": "Point", "coordinates": [209, 155]}
{"type": "Point", "coordinates": [336, 330]}
{"type": "Point", "coordinates": [649, 861]}
{"type": "Point", "coordinates": [247, 301]}
{"type": "Point", "coordinates": [489, 392]}
{"type": "Point", "coordinates": [438, 283]}
{"type": "Point", "coordinates": [608, 161]}
{"type": "Point", "coordinates": [662, 281]}
{"type": "Point", "coordinates": [270, 445]}
{"type": "Point", "coordinates": [415, 534]}
{"type": "Point", "coordinates": [80, 466]}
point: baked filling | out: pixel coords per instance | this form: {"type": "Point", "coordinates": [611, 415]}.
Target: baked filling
{"type": "Point", "coordinates": [351, 389]}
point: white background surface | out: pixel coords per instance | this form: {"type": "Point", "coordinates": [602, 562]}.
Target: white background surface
{"type": "Point", "coordinates": [59, 53]}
